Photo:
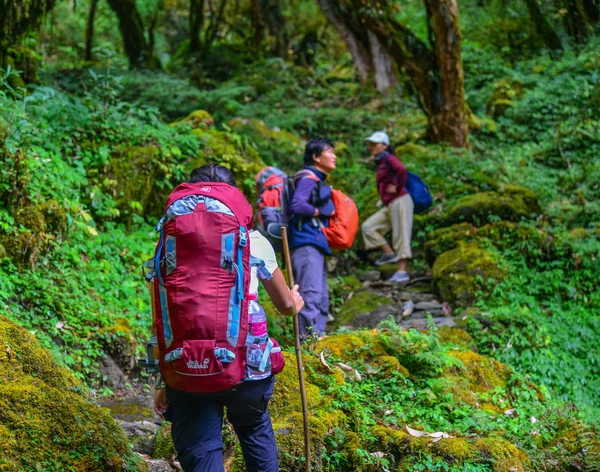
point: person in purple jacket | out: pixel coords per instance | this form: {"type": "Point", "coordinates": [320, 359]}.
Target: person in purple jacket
{"type": "Point", "coordinates": [309, 211]}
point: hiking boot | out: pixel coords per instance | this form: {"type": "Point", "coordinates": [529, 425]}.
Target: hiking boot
{"type": "Point", "coordinates": [399, 277]}
{"type": "Point", "coordinates": [387, 259]}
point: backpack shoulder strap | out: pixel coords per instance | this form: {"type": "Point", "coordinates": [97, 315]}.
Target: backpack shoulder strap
{"type": "Point", "coordinates": [305, 173]}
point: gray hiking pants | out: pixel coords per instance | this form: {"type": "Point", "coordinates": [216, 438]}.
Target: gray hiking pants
{"type": "Point", "coordinates": [311, 276]}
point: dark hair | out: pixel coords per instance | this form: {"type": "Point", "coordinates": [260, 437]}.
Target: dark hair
{"type": "Point", "coordinates": [391, 149]}
{"type": "Point", "coordinates": [212, 173]}
{"type": "Point", "coordinates": [314, 148]}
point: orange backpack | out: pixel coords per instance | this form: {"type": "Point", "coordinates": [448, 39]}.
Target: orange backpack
{"type": "Point", "coordinates": [343, 225]}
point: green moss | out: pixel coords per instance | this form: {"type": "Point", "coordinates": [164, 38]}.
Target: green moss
{"type": "Point", "coordinates": [360, 302]}
{"type": "Point", "coordinates": [163, 443]}
{"type": "Point", "coordinates": [502, 455]}
{"type": "Point", "coordinates": [131, 177]}
{"type": "Point", "coordinates": [47, 418]}
{"type": "Point", "coordinates": [458, 337]}
{"type": "Point", "coordinates": [445, 239]}
{"type": "Point", "coordinates": [198, 119]}
{"type": "Point", "coordinates": [275, 146]}
{"type": "Point", "coordinates": [481, 207]}
{"type": "Point", "coordinates": [462, 273]}
{"type": "Point", "coordinates": [505, 92]}
{"type": "Point", "coordinates": [232, 151]}
{"type": "Point", "coordinates": [388, 365]}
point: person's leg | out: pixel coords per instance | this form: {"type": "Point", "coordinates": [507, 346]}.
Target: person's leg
{"type": "Point", "coordinates": [304, 261]}
{"type": "Point", "coordinates": [401, 213]}
{"type": "Point", "coordinates": [324, 303]}
{"type": "Point", "coordinates": [247, 411]}
{"type": "Point", "coordinates": [196, 431]}
{"type": "Point", "coordinates": [374, 229]}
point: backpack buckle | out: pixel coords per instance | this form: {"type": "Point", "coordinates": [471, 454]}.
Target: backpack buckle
{"type": "Point", "coordinates": [243, 236]}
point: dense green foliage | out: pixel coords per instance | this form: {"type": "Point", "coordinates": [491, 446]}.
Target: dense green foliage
{"type": "Point", "coordinates": [89, 151]}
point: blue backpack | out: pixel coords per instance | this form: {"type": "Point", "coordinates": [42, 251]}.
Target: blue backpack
{"type": "Point", "coordinates": [419, 191]}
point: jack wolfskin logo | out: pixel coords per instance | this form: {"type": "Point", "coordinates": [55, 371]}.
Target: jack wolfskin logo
{"type": "Point", "coordinates": [206, 189]}
{"type": "Point", "coordinates": [198, 365]}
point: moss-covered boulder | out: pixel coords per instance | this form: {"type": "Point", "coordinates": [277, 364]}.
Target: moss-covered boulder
{"type": "Point", "coordinates": [362, 302]}
{"type": "Point", "coordinates": [46, 420]}
{"type": "Point", "coordinates": [40, 225]}
{"type": "Point", "coordinates": [446, 239]}
{"type": "Point", "coordinates": [505, 92]}
{"type": "Point", "coordinates": [480, 208]}
{"type": "Point", "coordinates": [275, 146]}
{"type": "Point", "coordinates": [232, 151]}
{"type": "Point", "coordinates": [462, 274]}
{"type": "Point", "coordinates": [524, 240]}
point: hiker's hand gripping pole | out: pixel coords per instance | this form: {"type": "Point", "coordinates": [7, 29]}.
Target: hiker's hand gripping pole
{"type": "Point", "coordinates": [288, 263]}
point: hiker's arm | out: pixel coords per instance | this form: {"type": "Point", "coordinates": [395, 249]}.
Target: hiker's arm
{"type": "Point", "coordinates": [286, 301]}
{"type": "Point", "coordinates": [400, 170]}
{"type": "Point", "coordinates": [299, 204]}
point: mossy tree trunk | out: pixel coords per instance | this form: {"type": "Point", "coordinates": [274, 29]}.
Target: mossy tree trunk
{"type": "Point", "coordinates": [436, 72]}
{"type": "Point", "coordinates": [543, 27]}
{"type": "Point", "coordinates": [137, 48]}
{"type": "Point", "coordinates": [275, 21]}
{"type": "Point", "coordinates": [89, 30]}
{"type": "Point", "coordinates": [258, 25]}
{"type": "Point", "coordinates": [371, 60]}
{"type": "Point", "coordinates": [18, 18]}
{"type": "Point", "coordinates": [581, 18]}
{"type": "Point", "coordinates": [196, 21]}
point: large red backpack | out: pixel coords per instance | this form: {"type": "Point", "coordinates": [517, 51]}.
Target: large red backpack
{"type": "Point", "coordinates": [201, 279]}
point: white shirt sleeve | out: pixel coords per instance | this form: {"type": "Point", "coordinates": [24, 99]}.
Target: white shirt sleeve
{"type": "Point", "coordinates": [261, 248]}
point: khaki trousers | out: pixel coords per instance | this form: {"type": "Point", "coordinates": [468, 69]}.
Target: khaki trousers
{"type": "Point", "coordinates": [397, 217]}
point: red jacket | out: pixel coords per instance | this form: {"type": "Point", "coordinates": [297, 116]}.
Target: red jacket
{"type": "Point", "coordinates": [390, 171]}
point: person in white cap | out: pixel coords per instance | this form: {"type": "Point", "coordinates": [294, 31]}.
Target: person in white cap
{"type": "Point", "coordinates": [397, 212]}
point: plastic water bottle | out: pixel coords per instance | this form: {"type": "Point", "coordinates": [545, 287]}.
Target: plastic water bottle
{"type": "Point", "coordinates": [257, 320]}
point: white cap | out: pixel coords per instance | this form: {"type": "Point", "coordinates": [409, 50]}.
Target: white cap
{"type": "Point", "coordinates": [379, 137]}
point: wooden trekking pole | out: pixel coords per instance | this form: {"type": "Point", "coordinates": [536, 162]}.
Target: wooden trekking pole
{"type": "Point", "coordinates": [288, 263]}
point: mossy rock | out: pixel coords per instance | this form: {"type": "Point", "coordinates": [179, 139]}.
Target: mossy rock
{"type": "Point", "coordinates": [47, 421]}
{"type": "Point", "coordinates": [198, 119]}
{"type": "Point", "coordinates": [484, 207]}
{"type": "Point", "coordinates": [458, 337]}
{"type": "Point", "coordinates": [232, 151]}
{"type": "Point", "coordinates": [276, 146]}
{"type": "Point", "coordinates": [505, 92]}
{"type": "Point", "coordinates": [39, 225]}
{"type": "Point", "coordinates": [504, 456]}
{"type": "Point", "coordinates": [528, 241]}
{"type": "Point", "coordinates": [460, 275]}
{"type": "Point", "coordinates": [163, 443]}
{"type": "Point", "coordinates": [446, 239]}
{"type": "Point", "coordinates": [475, 375]}
{"type": "Point", "coordinates": [406, 449]}
{"type": "Point", "coordinates": [362, 301]}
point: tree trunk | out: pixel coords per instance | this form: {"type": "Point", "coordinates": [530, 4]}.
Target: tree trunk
{"type": "Point", "coordinates": [437, 73]}
{"type": "Point", "coordinates": [196, 21]}
{"type": "Point", "coordinates": [258, 25]}
{"type": "Point", "coordinates": [132, 30]}
{"type": "Point", "coordinates": [383, 67]}
{"type": "Point", "coordinates": [356, 47]}
{"type": "Point", "coordinates": [89, 31]}
{"type": "Point", "coordinates": [275, 22]}
{"type": "Point", "coordinates": [449, 120]}
{"type": "Point", "coordinates": [542, 26]}
{"type": "Point", "coordinates": [581, 18]}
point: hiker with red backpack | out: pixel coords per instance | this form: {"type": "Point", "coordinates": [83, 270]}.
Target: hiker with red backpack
{"type": "Point", "coordinates": [211, 333]}
{"type": "Point", "coordinates": [309, 213]}
{"type": "Point", "coordinates": [402, 193]}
